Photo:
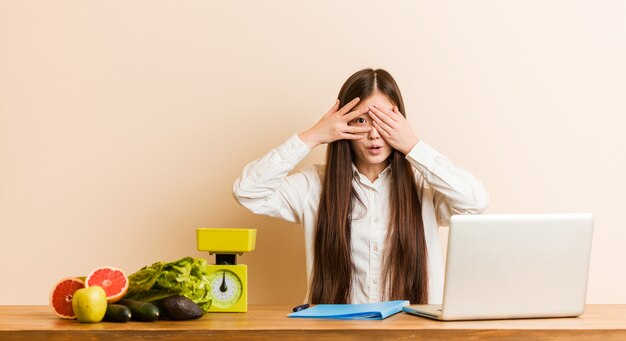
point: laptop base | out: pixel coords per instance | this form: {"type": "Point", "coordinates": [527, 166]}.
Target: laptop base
{"type": "Point", "coordinates": [431, 311]}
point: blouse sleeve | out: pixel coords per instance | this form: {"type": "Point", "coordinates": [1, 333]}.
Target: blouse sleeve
{"type": "Point", "coordinates": [457, 191]}
{"type": "Point", "coordinates": [265, 188]}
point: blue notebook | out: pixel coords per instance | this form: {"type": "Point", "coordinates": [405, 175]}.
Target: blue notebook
{"type": "Point", "coordinates": [366, 311]}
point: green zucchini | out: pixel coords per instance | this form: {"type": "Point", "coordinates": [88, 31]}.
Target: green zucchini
{"type": "Point", "coordinates": [141, 311]}
{"type": "Point", "coordinates": [117, 313]}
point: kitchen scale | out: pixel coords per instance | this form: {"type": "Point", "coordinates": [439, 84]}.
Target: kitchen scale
{"type": "Point", "coordinates": [228, 280]}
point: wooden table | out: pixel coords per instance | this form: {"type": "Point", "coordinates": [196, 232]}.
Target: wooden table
{"type": "Point", "coordinates": [600, 322]}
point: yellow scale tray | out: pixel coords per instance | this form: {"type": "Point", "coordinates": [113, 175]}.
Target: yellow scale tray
{"type": "Point", "coordinates": [226, 240]}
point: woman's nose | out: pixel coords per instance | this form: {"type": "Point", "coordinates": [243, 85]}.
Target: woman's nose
{"type": "Point", "coordinates": [373, 134]}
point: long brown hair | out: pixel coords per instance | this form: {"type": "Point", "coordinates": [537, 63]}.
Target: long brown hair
{"type": "Point", "coordinates": [405, 274]}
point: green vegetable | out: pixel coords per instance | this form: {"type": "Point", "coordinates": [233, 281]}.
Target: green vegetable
{"type": "Point", "coordinates": [187, 277]}
{"type": "Point", "coordinates": [117, 313]}
{"type": "Point", "coordinates": [141, 311]}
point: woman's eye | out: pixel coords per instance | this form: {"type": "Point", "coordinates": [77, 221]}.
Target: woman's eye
{"type": "Point", "coordinates": [361, 120]}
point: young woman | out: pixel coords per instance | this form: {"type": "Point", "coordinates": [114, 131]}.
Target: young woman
{"type": "Point", "coordinates": [371, 214]}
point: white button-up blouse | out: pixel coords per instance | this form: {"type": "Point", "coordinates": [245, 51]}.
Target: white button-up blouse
{"type": "Point", "coordinates": [444, 189]}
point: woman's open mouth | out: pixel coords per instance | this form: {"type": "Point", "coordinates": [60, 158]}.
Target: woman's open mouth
{"type": "Point", "coordinates": [375, 150]}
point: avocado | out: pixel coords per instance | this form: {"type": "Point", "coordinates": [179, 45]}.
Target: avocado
{"type": "Point", "coordinates": [180, 308]}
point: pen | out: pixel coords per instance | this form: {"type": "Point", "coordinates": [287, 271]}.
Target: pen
{"type": "Point", "coordinates": [300, 307]}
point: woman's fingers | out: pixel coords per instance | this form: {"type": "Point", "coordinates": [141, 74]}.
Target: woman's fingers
{"type": "Point", "coordinates": [357, 130]}
{"type": "Point", "coordinates": [354, 114]}
{"type": "Point", "coordinates": [383, 116]}
{"type": "Point", "coordinates": [379, 123]}
{"type": "Point", "coordinates": [348, 107]}
{"type": "Point", "coordinates": [393, 113]}
{"type": "Point", "coordinates": [346, 136]}
{"type": "Point", "coordinates": [333, 109]}
{"type": "Point", "coordinates": [385, 132]}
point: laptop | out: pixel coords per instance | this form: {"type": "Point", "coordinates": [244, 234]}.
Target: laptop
{"type": "Point", "coordinates": [514, 266]}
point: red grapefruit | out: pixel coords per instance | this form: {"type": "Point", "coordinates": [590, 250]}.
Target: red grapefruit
{"type": "Point", "coordinates": [61, 296]}
{"type": "Point", "coordinates": [112, 280]}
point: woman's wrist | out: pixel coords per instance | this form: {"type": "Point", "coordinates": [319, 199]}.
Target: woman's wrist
{"type": "Point", "coordinates": [409, 147]}
{"type": "Point", "coordinates": [308, 137]}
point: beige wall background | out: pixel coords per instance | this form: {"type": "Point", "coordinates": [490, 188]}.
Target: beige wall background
{"type": "Point", "coordinates": [123, 124]}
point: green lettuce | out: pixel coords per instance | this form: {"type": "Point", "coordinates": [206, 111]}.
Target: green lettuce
{"type": "Point", "coordinates": [187, 277]}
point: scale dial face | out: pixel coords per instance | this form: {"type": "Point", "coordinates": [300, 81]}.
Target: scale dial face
{"type": "Point", "coordinates": [226, 288]}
